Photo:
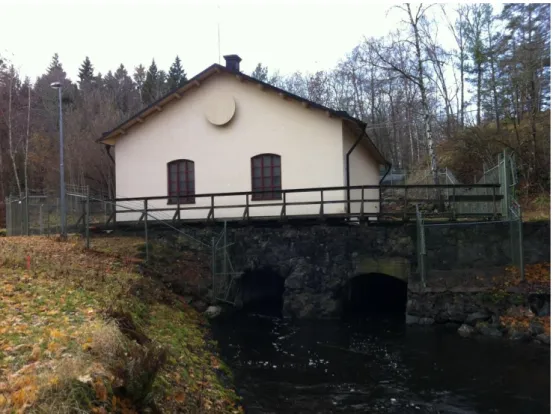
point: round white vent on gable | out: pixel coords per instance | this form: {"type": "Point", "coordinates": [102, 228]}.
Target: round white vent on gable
{"type": "Point", "coordinates": [220, 110]}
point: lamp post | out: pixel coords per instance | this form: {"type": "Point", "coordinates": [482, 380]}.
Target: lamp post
{"type": "Point", "coordinates": [63, 230]}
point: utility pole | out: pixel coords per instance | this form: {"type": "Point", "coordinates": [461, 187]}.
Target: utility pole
{"type": "Point", "coordinates": [63, 229]}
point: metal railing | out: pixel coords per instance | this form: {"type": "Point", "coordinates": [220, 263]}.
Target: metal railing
{"type": "Point", "coordinates": [354, 202]}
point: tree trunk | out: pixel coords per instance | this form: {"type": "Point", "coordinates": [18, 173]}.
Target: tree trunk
{"type": "Point", "coordinates": [494, 85]}
{"type": "Point", "coordinates": [479, 96]}
{"type": "Point", "coordinates": [424, 100]}
{"type": "Point", "coordinates": [10, 132]}
{"type": "Point", "coordinates": [462, 62]}
{"type": "Point", "coordinates": [28, 136]}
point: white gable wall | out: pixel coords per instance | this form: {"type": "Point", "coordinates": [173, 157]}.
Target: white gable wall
{"type": "Point", "coordinates": [310, 145]}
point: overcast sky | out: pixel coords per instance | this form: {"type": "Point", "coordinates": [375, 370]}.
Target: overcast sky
{"type": "Point", "coordinates": [303, 35]}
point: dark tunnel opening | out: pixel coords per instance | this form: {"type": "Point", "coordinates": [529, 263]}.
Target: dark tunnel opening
{"type": "Point", "coordinates": [262, 292]}
{"type": "Point", "coordinates": [375, 294]}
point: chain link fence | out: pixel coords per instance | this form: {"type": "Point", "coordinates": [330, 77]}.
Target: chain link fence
{"type": "Point", "coordinates": [38, 213]}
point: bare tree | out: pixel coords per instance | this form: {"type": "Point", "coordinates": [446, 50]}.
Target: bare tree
{"type": "Point", "coordinates": [417, 76]}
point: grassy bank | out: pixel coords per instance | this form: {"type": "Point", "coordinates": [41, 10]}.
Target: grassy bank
{"type": "Point", "coordinates": [84, 331]}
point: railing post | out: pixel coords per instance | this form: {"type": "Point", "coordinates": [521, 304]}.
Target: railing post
{"type": "Point", "coordinates": [211, 214]}
{"type": "Point", "coordinates": [283, 211]}
{"type": "Point", "coordinates": [87, 217]}
{"type": "Point", "coordinates": [494, 203]}
{"type": "Point", "coordinates": [321, 210]}
{"type": "Point", "coordinates": [405, 205]}
{"type": "Point", "coordinates": [454, 204]}
{"type": "Point", "coordinates": [146, 229]}
{"type": "Point", "coordinates": [247, 210]}
{"type": "Point", "coordinates": [362, 209]}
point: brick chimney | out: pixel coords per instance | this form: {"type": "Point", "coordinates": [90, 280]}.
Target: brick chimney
{"type": "Point", "coordinates": [233, 62]}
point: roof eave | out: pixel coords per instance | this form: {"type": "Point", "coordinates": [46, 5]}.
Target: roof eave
{"type": "Point", "coordinates": [108, 138]}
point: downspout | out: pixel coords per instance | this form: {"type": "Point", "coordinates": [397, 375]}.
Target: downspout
{"type": "Point", "coordinates": [388, 164]}
{"type": "Point", "coordinates": [108, 148]}
{"type": "Point", "coordinates": [347, 167]}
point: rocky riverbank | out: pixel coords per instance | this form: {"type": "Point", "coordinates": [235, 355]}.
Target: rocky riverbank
{"type": "Point", "coordinates": [515, 315]}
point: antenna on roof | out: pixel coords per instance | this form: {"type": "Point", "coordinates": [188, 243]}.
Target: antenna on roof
{"type": "Point", "coordinates": [218, 34]}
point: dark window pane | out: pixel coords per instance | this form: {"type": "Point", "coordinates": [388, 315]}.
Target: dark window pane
{"type": "Point", "coordinates": [173, 168]}
{"type": "Point", "coordinates": [256, 183]}
{"type": "Point", "coordinates": [191, 175]}
{"type": "Point", "coordinates": [267, 160]}
{"type": "Point", "coordinates": [276, 160]}
{"type": "Point", "coordinates": [276, 181]}
{"type": "Point", "coordinates": [266, 171]}
{"type": "Point", "coordinates": [276, 170]}
{"type": "Point", "coordinates": [257, 171]}
{"type": "Point", "coordinates": [267, 182]}
{"type": "Point", "coordinates": [257, 162]}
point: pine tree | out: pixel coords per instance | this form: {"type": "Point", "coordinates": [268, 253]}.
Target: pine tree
{"type": "Point", "coordinates": [121, 72]}
{"type": "Point", "coordinates": [55, 64]}
{"type": "Point", "coordinates": [261, 73]}
{"type": "Point", "coordinates": [162, 85]}
{"type": "Point", "coordinates": [177, 75]}
{"type": "Point", "coordinates": [150, 87]}
{"type": "Point", "coordinates": [86, 71]}
{"type": "Point", "coordinates": [139, 77]}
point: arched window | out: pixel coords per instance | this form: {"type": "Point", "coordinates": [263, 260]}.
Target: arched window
{"type": "Point", "coordinates": [266, 177]}
{"type": "Point", "coordinates": [180, 182]}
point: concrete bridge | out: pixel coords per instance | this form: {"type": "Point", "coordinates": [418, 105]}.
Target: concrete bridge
{"type": "Point", "coordinates": [321, 270]}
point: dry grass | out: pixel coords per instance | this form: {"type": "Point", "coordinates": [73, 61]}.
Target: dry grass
{"type": "Point", "coordinates": [75, 338]}
{"type": "Point", "coordinates": [537, 208]}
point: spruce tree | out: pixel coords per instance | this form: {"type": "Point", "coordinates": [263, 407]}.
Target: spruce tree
{"type": "Point", "coordinates": [150, 87]}
{"type": "Point", "coordinates": [177, 76]}
{"type": "Point", "coordinates": [55, 64]}
{"type": "Point", "coordinates": [86, 71]}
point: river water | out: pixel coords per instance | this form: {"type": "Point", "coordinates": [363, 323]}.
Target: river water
{"type": "Point", "coordinates": [379, 365]}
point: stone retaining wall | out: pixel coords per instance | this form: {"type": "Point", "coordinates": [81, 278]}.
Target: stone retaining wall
{"type": "Point", "coordinates": [317, 261]}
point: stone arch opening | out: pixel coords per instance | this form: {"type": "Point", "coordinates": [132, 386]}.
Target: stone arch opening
{"type": "Point", "coordinates": [262, 291]}
{"type": "Point", "coordinates": [375, 294]}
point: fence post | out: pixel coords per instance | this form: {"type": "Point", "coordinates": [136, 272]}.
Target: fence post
{"type": "Point", "coordinates": [87, 217]}
{"type": "Point", "coordinates": [520, 245]}
{"type": "Point", "coordinates": [26, 211]}
{"type": "Point", "coordinates": [213, 269]}
{"type": "Point", "coordinates": [41, 221]}
{"type": "Point", "coordinates": [225, 250]}
{"type": "Point", "coordinates": [8, 218]}
{"type": "Point", "coordinates": [146, 229]}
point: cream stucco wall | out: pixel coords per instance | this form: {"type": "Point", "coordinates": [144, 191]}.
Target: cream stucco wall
{"type": "Point", "coordinates": [310, 145]}
{"type": "Point", "coordinates": [364, 170]}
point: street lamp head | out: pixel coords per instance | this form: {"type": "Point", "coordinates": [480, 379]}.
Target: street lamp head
{"type": "Point", "coordinates": [56, 85]}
